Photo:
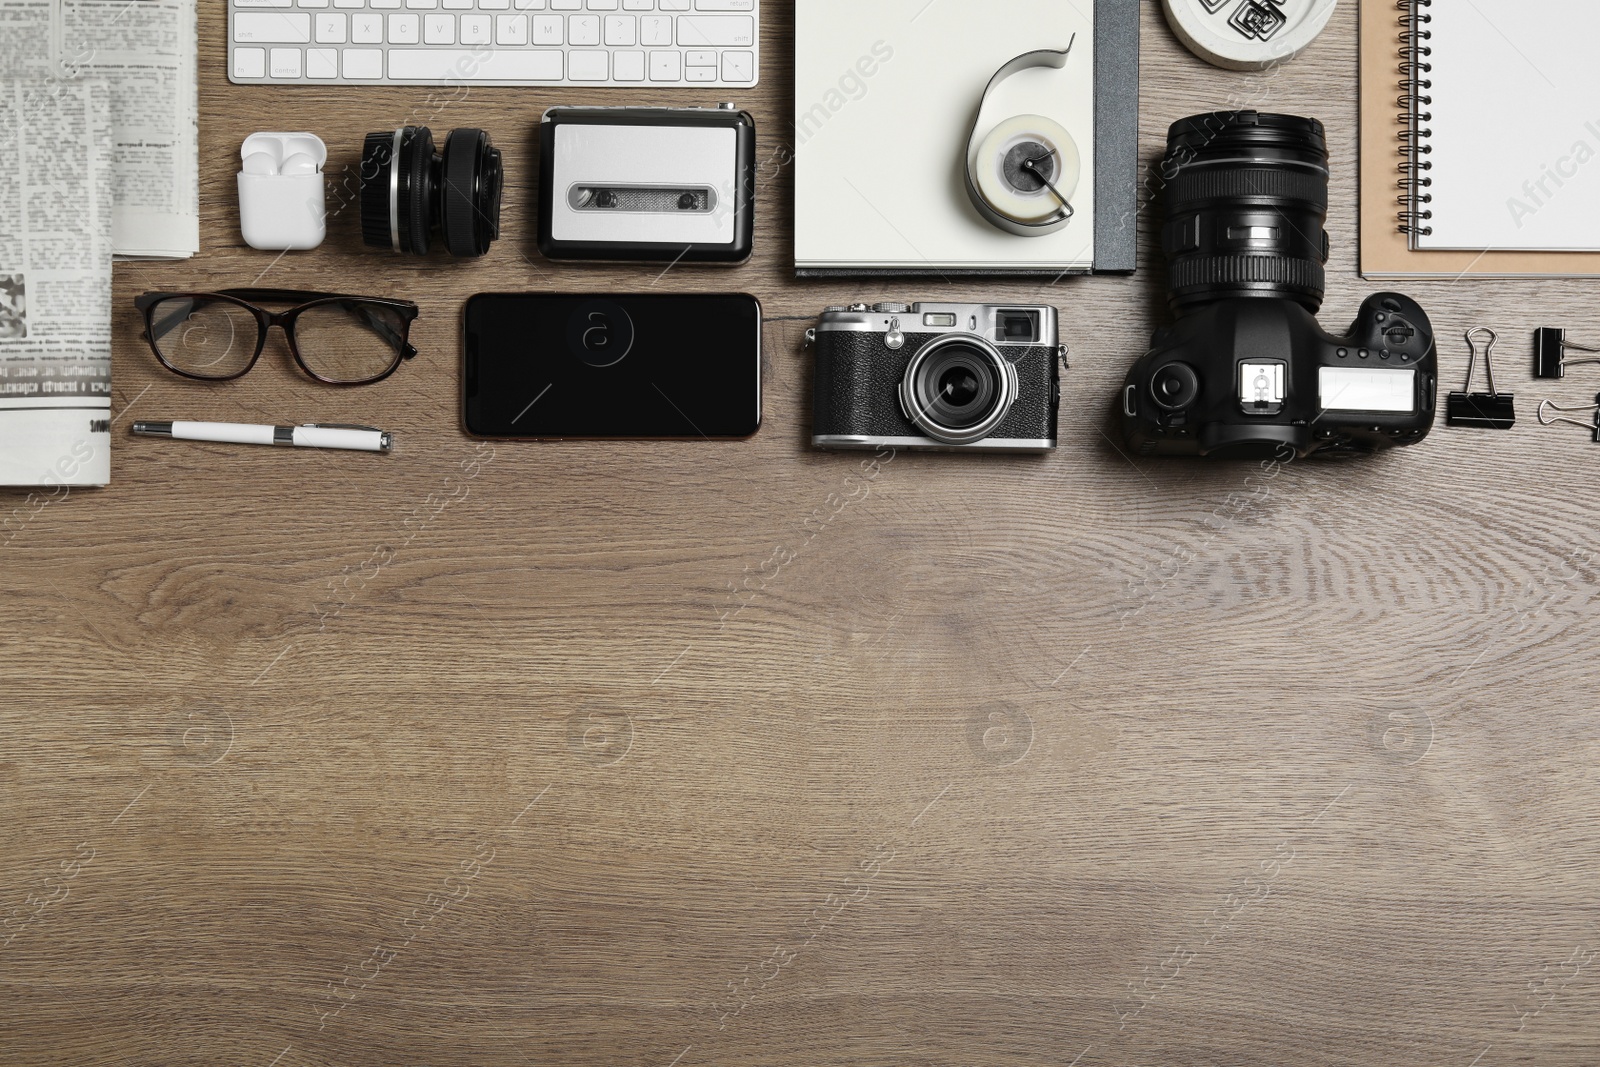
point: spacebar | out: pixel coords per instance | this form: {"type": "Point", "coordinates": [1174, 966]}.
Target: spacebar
{"type": "Point", "coordinates": [474, 65]}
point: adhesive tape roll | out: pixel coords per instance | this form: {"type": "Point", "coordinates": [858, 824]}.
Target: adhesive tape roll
{"type": "Point", "coordinates": [1008, 189]}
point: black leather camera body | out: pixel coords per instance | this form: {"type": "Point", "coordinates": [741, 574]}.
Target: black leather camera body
{"type": "Point", "coordinates": [937, 377]}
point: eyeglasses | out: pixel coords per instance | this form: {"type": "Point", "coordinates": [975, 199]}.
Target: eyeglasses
{"type": "Point", "coordinates": [217, 337]}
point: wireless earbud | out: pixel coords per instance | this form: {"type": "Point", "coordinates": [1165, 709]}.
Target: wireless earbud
{"type": "Point", "coordinates": [261, 163]}
{"type": "Point", "coordinates": [299, 163]}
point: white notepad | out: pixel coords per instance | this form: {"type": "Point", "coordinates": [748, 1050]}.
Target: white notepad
{"type": "Point", "coordinates": [1508, 118]}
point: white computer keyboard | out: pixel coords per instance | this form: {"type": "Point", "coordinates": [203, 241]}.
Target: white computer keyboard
{"type": "Point", "coordinates": [495, 42]}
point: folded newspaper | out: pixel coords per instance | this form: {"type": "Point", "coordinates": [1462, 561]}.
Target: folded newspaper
{"type": "Point", "coordinates": [55, 282]}
{"type": "Point", "coordinates": [146, 50]}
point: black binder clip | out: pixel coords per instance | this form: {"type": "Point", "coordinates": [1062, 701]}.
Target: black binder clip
{"type": "Point", "coordinates": [1493, 410]}
{"type": "Point", "coordinates": [1593, 426]}
{"type": "Point", "coordinates": [1550, 346]}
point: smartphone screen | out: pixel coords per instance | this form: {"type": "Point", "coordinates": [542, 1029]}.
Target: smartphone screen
{"type": "Point", "coordinates": [598, 366]}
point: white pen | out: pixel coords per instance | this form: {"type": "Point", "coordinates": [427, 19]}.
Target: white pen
{"type": "Point", "coordinates": [355, 438]}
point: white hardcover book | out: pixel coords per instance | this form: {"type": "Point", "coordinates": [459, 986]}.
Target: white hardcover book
{"type": "Point", "coordinates": [885, 94]}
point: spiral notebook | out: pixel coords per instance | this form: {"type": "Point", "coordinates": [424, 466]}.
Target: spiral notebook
{"type": "Point", "coordinates": [1490, 167]}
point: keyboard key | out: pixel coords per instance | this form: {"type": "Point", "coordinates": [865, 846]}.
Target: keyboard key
{"type": "Point", "coordinates": [713, 30]}
{"type": "Point", "coordinates": [724, 5]}
{"type": "Point", "coordinates": [366, 29]}
{"type": "Point", "coordinates": [548, 29]}
{"type": "Point", "coordinates": [404, 29]}
{"type": "Point", "coordinates": [531, 5]}
{"type": "Point", "coordinates": [439, 29]}
{"type": "Point", "coordinates": [583, 29]}
{"type": "Point", "coordinates": [249, 62]}
{"type": "Point", "coordinates": [444, 64]}
{"type": "Point", "coordinates": [385, 3]}
{"type": "Point", "coordinates": [620, 30]}
{"type": "Point", "coordinates": [674, 5]}
{"type": "Point", "coordinates": [738, 66]}
{"type": "Point", "coordinates": [602, 5]}
{"type": "Point", "coordinates": [363, 63]}
{"type": "Point", "coordinates": [494, 5]}
{"type": "Point", "coordinates": [700, 58]}
{"type": "Point", "coordinates": [458, 5]}
{"type": "Point", "coordinates": [285, 63]}
{"type": "Point", "coordinates": [699, 74]}
{"type": "Point", "coordinates": [271, 28]}
{"type": "Point", "coordinates": [263, 3]}
{"type": "Point", "coordinates": [331, 28]}
{"type": "Point", "coordinates": [477, 29]}
{"type": "Point", "coordinates": [313, 3]}
{"type": "Point", "coordinates": [322, 63]}
{"type": "Point", "coordinates": [627, 66]}
{"type": "Point", "coordinates": [666, 66]}
{"type": "Point", "coordinates": [511, 29]}
{"type": "Point", "coordinates": [587, 66]}
{"type": "Point", "coordinates": [349, 3]}
{"type": "Point", "coordinates": [422, 5]}
{"type": "Point", "coordinates": [655, 29]}
{"type": "Point", "coordinates": [638, 5]}
{"type": "Point", "coordinates": [566, 5]}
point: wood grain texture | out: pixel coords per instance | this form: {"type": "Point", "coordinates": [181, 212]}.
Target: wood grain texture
{"type": "Point", "coordinates": [590, 754]}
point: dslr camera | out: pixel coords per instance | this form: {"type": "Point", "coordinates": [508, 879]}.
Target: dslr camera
{"type": "Point", "coordinates": [1246, 371]}
{"type": "Point", "coordinates": [940, 377]}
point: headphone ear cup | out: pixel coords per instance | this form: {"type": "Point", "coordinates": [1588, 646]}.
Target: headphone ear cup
{"type": "Point", "coordinates": [470, 199]}
{"type": "Point", "coordinates": [377, 159]}
{"type": "Point", "coordinates": [417, 156]}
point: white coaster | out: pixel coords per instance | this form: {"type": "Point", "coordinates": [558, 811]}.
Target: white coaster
{"type": "Point", "coordinates": [1247, 34]}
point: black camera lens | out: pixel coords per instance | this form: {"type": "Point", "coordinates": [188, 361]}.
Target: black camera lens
{"type": "Point", "coordinates": [1175, 386]}
{"type": "Point", "coordinates": [958, 389]}
{"type": "Point", "coordinates": [1246, 201]}
{"type": "Point", "coordinates": [408, 190]}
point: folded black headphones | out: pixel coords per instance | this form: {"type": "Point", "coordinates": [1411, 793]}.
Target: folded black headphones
{"type": "Point", "coordinates": [408, 189]}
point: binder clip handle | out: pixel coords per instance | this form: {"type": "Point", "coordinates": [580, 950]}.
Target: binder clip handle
{"type": "Point", "coordinates": [1493, 410]}
{"type": "Point", "coordinates": [1550, 346]}
{"type": "Point", "coordinates": [1592, 426]}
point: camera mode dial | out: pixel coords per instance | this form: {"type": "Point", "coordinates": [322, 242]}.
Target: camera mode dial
{"type": "Point", "coordinates": [1175, 386]}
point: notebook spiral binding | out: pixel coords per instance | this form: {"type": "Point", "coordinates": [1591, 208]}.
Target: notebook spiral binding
{"type": "Point", "coordinates": [1414, 117]}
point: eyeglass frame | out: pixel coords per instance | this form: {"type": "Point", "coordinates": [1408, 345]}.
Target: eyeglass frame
{"type": "Point", "coordinates": [285, 320]}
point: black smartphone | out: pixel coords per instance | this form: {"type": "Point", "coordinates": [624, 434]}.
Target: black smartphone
{"type": "Point", "coordinates": [541, 365]}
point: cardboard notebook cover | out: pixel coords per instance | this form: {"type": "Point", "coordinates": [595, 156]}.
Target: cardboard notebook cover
{"type": "Point", "coordinates": [1384, 249]}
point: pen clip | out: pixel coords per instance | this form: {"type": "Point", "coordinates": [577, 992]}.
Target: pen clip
{"type": "Point", "coordinates": [338, 426]}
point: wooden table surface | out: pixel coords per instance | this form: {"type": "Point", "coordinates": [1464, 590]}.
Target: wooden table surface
{"type": "Point", "coordinates": [738, 753]}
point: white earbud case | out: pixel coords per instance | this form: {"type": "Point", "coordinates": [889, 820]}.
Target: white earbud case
{"type": "Point", "coordinates": [281, 198]}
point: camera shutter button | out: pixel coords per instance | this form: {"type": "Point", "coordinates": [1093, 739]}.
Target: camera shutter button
{"type": "Point", "coordinates": [891, 309]}
{"type": "Point", "coordinates": [894, 340]}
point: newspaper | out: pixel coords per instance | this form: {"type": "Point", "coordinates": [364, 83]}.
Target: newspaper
{"type": "Point", "coordinates": [55, 282]}
{"type": "Point", "coordinates": [146, 50]}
